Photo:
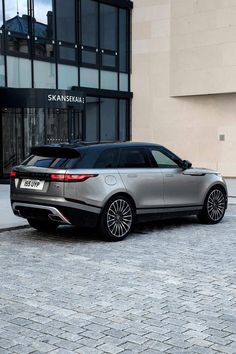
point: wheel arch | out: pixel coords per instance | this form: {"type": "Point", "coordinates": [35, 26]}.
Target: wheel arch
{"type": "Point", "coordinates": [216, 185]}
{"type": "Point", "coordinates": [121, 194]}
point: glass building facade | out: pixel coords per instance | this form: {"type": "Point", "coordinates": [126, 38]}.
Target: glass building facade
{"type": "Point", "coordinates": [64, 74]}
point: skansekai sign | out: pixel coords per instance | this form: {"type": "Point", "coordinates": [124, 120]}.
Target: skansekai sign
{"type": "Point", "coordinates": [41, 98]}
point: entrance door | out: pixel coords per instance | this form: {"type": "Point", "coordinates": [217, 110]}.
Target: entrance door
{"type": "Point", "coordinates": [12, 139]}
{"type": "Point", "coordinates": [22, 128]}
{"type": "Point", "coordinates": [75, 119]}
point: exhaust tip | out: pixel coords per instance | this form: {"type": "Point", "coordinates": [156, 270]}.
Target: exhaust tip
{"type": "Point", "coordinates": [56, 218]}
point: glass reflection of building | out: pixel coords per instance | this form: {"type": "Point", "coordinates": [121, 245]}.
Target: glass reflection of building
{"type": "Point", "coordinates": [62, 46]}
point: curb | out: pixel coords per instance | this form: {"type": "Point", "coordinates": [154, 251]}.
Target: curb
{"type": "Point", "coordinates": [12, 228]}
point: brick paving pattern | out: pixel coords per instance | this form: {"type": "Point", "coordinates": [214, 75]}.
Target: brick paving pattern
{"type": "Point", "coordinates": [168, 288]}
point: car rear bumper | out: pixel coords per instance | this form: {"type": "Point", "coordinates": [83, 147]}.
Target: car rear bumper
{"type": "Point", "coordinates": [59, 213]}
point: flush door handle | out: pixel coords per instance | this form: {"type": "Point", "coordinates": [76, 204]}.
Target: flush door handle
{"type": "Point", "coordinates": [169, 175]}
{"type": "Point", "coordinates": [132, 175]}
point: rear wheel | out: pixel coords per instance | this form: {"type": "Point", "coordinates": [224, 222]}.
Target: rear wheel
{"type": "Point", "coordinates": [117, 219]}
{"type": "Point", "coordinates": [42, 225]}
{"type": "Point", "coordinates": [214, 207]}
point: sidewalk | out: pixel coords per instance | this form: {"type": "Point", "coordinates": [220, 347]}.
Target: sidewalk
{"type": "Point", "coordinates": [9, 221]}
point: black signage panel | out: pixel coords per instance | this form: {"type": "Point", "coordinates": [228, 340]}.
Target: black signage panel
{"type": "Point", "coordinates": [41, 98]}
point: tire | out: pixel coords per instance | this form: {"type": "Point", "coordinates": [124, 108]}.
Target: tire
{"type": "Point", "coordinates": [42, 225]}
{"type": "Point", "coordinates": [117, 219]}
{"type": "Point", "coordinates": [214, 206]}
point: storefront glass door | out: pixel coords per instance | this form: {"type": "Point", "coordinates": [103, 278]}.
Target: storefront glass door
{"type": "Point", "coordinates": [12, 134]}
{"type": "Point", "coordinates": [23, 128]}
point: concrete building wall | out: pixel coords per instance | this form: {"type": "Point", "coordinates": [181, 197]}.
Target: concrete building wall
{"type": "Point", "coordinates": [191, 122]}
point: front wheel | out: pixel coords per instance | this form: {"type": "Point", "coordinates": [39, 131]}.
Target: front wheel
{"type": "Point", "coordinates": [214, 207]}
{"type": "Point", "coordinates": [117, 219]}
{"type": "Point", "coordinates": [42, 226]}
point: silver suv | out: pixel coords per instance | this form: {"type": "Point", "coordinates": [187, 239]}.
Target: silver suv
{"type": "Point", "coordinates": [112, 186]}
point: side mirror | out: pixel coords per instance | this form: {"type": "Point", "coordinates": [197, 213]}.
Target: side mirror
{"type": "Point", "coordinates": [186, 164]}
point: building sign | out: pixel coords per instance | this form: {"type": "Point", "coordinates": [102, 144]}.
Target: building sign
{"type": "Point", "coordinates": [67, 98]}
{"type": "Point", "coordinates": [40, 98]}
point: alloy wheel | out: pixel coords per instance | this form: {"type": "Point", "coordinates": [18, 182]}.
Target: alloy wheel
{"type": "Point", "coordinates": [119, 218]}
{"type": "Point", "coordinates": [216, 205]}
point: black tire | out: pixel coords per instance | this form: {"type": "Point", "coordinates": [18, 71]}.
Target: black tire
{"type": "Point", "coordinates": [42, 226]}
{"type": "Point", "coordinates": [117, 219]}
{"type": "Point", "coordinates": [214, 206]}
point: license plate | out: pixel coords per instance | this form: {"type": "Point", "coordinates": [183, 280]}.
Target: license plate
{"type": "Point", "coordinates": [32, 184]}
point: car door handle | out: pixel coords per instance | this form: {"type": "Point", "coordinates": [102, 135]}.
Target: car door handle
{"type": "Point", "coordinates": [169, 175]}
{"type": "Point", "coordinates": [132, 175]}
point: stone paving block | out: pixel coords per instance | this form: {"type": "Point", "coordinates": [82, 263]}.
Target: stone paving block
{"type": "Point", "coordinates": [109, 348]}
{"type": "Point", "coordinates": [168, 285]}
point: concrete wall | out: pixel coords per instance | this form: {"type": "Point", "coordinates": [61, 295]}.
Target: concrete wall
{"type": "Point", "coordinates": [189, 125]}
{"type": "Point", "coordinates": [203, 47]}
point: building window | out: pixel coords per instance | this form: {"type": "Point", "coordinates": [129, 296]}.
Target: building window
{"type": "Point", "coordinates": [123, 120]}
{"type": "Point", "coordinates": [123, 40]}
{"type": "Point", "coordinates": [17, 25]}
{"type": "Point", "coordinates": [109, 80]}
{"type": "Point", "coordinates": [66, 20]}
{"type": "Point", "coordinates": [67, 76]}
{"type": "Point", "coordinates": [89, 78]}
{"type": "Point", "coordinates": [43, 29]}
{"type": "Point", "coordinates": [89, 23]}
{"type": "Point", "coordinates": [92, 119]}
{"type": "Point", "coordinates": [2, 71]}
{"type": "Point", "coordinates": [108, 27]}
{"type": "Point", "coordinates": [19, 72]}
{"type": "Point", "coordinates": [44, 75]}
{"type": "Point", "coordinates": [108, 119]}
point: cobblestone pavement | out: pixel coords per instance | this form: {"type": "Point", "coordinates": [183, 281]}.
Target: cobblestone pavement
{"type": "Point", "coordinates": [168, 288]}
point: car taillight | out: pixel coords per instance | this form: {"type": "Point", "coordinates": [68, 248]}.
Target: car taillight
{"type": "Point", "coordinates": [13, 174]}
{"type": "Point", "coordinates": [71, 178]}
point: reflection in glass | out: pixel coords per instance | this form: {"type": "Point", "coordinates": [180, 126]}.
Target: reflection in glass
{"type": "Point", "coordinates": [108, 27]}
{"type": "Point", "coordinates": [19, 72]}
{"type": "Point", "coordinates": [18, 44]}
{"type": "Point", "coordinates": [12, 143]}
{"type": "Point", "coordinates": [66, 20]}
{"type": "Point", "coordinates": [108, 119]}
{"type": "Point", "coordinates": [43, 49]}
{"type": "Point", "coordinates": [2, 71]}
{"type": "Point", "coordinates": [34, 129]}
{"type": "Point", "coordinates": [92, 116]}
{"type": "Point", "coordinates": [17, 24]}
{"type": "Point", "coordinates": [1, 15]}
{"type": "Point", "coordinates": [56, 126]}
{"type": "Point", "coordinates": [89, 23]}
{"type": "Point", "coordinates": [67, 76]}
{"type": "Point", "coordinates": [43, 17]}
{"type": "Point", "coordinates": [16, 12]}
{"type": "Point", "coordinates": [44, 75]}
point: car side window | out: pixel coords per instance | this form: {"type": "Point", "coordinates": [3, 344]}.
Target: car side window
{"type": "Point", "coordinates": [162, 160]}
{"type": "Point", "coordinates": [133, 158]}
{"type": "Point", "coordinates": [107, 159]}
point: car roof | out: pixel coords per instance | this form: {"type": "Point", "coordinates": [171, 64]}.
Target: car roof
{"type": "Point", "coordinates": [100, 146]}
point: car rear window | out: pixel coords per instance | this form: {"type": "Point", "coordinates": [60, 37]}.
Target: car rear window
{"type": "Point", "coordinates": [51, 162]}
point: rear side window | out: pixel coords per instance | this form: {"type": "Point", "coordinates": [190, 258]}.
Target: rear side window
{"type": "Point", "coordinates": [107, 159]}
{"type": "Point", "coordinates": [133, 158]}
